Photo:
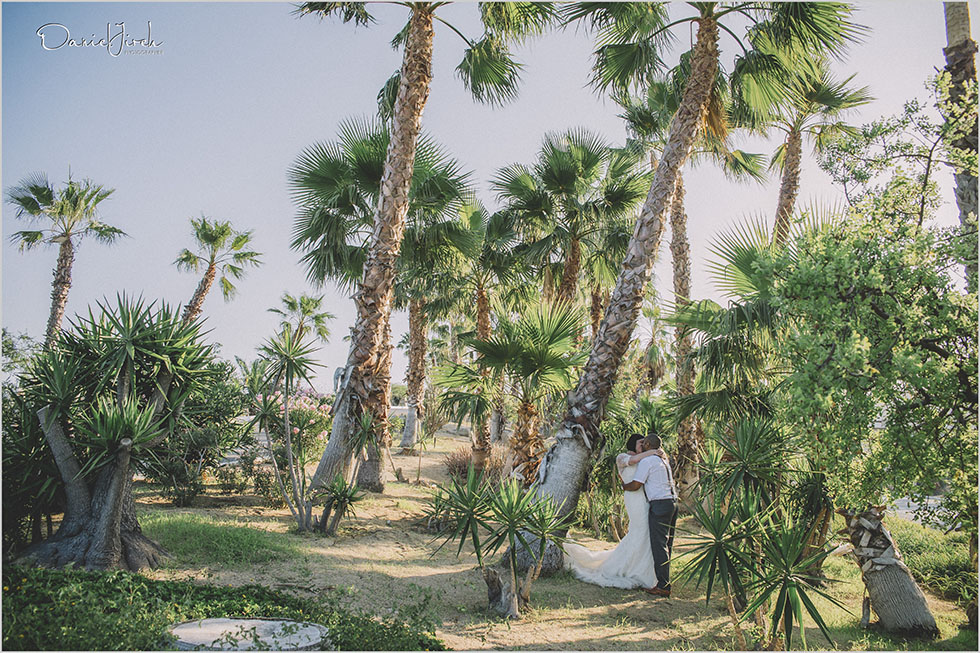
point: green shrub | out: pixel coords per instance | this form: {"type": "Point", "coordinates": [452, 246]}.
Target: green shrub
{"type": "Point", "coordinates": [45, 609]}
{"type": "Point", "coordinates": [939, 562]}
{"type": "Point", "coordinates": [231, 479]}
{"type": "Point", "coordinates": [200, 540]}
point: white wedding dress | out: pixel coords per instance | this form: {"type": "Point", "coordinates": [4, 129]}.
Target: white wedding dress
{"type": "Point", "coordinates": [630, 563]}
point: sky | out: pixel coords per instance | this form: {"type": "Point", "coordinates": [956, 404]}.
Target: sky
{"type": "Point", "coordinates": [208, 122]}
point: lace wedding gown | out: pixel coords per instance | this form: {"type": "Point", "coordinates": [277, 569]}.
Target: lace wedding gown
{"type": "Point", "coordinates": [630, 564]}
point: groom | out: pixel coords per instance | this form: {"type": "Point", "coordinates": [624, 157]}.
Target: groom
{"type": "Point", "coordinates": [654, 476]}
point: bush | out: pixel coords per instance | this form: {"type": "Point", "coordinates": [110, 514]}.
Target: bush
{"type": "Point", "coordinates": [939, 562]}
{"type": "Point", "coordinates": [267, 487]}
{"type": "Point", "coordinates": [46, 609]}
{"type": "Point", "coordinates": [458, 462]}
{"type": "Point", "coordinates": [231, 479]}
{"type": "Point", "coordinates": [398, 392]}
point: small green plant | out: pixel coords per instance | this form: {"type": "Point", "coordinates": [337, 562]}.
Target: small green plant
{"type": "Point", "coordinates": [340, 497]}
{"type": "Point", "coordinates": [231, 479]}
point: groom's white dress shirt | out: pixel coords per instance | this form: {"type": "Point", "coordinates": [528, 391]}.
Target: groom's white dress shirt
{"type": "Point", "coordinates": [654, 473]}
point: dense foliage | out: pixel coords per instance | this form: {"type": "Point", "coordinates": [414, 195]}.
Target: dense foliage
{"type": "Point", "coordinates": [77, 610]}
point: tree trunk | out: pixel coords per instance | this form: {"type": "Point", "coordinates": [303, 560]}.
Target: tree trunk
{"type": "Point", "coordinates": [569, 274]}
{"type": "Point", "coordinates": [896, 599]}
{"type": "Point", "coordinates": [595, 310]}
{"type": "Point", "coordinates": [961, 65]}
{"type": "Point", "coordinates": [480, 433]}
{"type": "Point", "coordinates": [567, 462]}
{"type": "Point", "coordinates": [99, 529]}
{"type": "Point", "coordinates": [415, 379]}
{"type": "Point", "coordinates": [525, 444]}
{"type": "Point", "coordinates": [373, 299]}
{"type": "Point", "coordinates": [686, 470]}
{"type": "Point", "coordinates": [59, 289]}
{"type": "Point", "coordinates": [370, 475]}
{"type": "Point", "coordinates": [789, 188]}
{"type": "Point", "coordinates": [193, 308]}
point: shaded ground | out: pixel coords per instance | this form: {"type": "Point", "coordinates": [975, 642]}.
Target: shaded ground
{"type": "Point", "coordinates": [385, 551]}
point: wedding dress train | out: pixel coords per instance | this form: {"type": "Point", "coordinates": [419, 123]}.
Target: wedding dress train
{"type": "Point", "coordinates": [630, 563]}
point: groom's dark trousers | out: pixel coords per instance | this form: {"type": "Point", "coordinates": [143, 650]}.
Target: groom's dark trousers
{"type": "Point", "coordinates": [663, 518]}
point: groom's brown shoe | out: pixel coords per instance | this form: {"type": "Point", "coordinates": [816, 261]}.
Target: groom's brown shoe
{"type": "Point", "coordinates": [657, 591]}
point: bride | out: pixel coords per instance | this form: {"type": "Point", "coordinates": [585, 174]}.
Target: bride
{"type": "Point", "coordinates": [630, 563]}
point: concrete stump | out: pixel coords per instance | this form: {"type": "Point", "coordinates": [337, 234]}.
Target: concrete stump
{"type": "Point", "coordinates": [249, 635]}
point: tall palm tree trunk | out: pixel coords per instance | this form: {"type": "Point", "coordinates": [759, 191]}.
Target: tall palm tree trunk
{"type": "Point", "coordinates": [567, 462]}
{"type": "Point", "coordinates": [789, 187]}
{"type": "Point", "coordinates": [481, 430]}
{"type": "Point", "coordinates": [569, 274]}
{"type": "Point", "coordinates": [370, 475]}
{"type": "Point", "coordinates": [595, 310]}
{"type": "Point", "coordinates": [417, 331]}
{"type": "Point", "coordinates": [686, 471]}
{"type": "Point", "coordinates": [373, 300]}
{"type": "Point", "coordinates": [193, 308]}
{"type": "Point", "coordinates": [59, 289]}
{"type": "Point", "coordinates": [961, 64]}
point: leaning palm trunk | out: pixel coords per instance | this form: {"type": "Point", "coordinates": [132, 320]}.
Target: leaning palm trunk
{"type": "Point", "coordinates": [595, 309]}
{"type": "Point", "coordinates": [896, 599]}
{"type": "Point", "coordinates": [59, 289]}
{"type": "Point", "coordinates": [481, 429]}
{"type": "Point", "coordinates": [417, 331]}
{"type": "Point", "coordinates": [359, 391]}
{"type": "Point", "coordinates": [370, 473]}
{"type": "Point", "coordinates": [686, 472]}
{"type": "Point", "coordinates": [567, 462]}
{"type": "Point", "coordinates": [961, 65]}
{"type": "Point", "coordinates": [193, 308]}
{"type": "Point", "coordinates": [569, 275]}
{"type": "Point", "coordinates": [789, 187]}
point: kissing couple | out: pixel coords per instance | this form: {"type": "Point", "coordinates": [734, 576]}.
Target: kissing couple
{"type": "Point", "coordinates": [642, 557]}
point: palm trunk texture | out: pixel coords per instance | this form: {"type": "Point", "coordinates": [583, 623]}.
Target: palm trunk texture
{"type": "Point", "coordinates": [595, 310]}
{"type": "Point", "coordinates": [960, 53]}
{"type": "Point", "coordinates": [193, 308]}
{"type": "Point", "coordinates": [789, 188]}
{"type": "Point", "coordinates": [417, 341]}
{"type": "Point", "coordinates": [569, 275]}
{"type": "Point", "coordinates": [59, 290]}
{"type": "Point", "coordinates": [359, 391]}
{"type": "Point", "coordinates": [567, 462]}
{"type": "Point", "coordinates": [526, 444]}
{"type": "Point", "coordinates": [481, 430]}
{"type": "Point", "coordinates": [896, 599]}
{"type": "Point", "coordinates": [370, 475]}
{"type": "Point", "coordinates": [686, 472]}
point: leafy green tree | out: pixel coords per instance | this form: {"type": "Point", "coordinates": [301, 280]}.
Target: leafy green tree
{"type": "Point", "coordinates": [302, 313]}
{"type": "Point", "coordinates": [220, 249]}
{"type": "Point", "coordinates": [491, 75]}
{"type": "Point", "coordinates": [17, 351]}
{"type": "Point", "coordinates": [69, 215]}
{"type": "Point", "coordinates": [105, 394]}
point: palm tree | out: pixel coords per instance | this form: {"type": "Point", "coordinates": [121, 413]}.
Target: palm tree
{"type": "Point", "coordinates": [537, 354]}
{"type": "Point", "coordinates": [648, 119]}
{"type": "Point", "coordinates": [491, 75]}
{"type": "Point", "coordinates": [220, 249]}
{"type": "Point", "coordinates": [813, 104]}
{"type": "Point", "coordinates": [337, 186]}
{"type": "Point", "coordinates": [567, 198]}
{"type": "Point", "coordinates": [289, 362]}
{"type": "Point", "coordinates": [303, 312]}
{"type": "Point", "coordinates": [630, 36]}
{"type": "Point", "coordinates": [73, 215]}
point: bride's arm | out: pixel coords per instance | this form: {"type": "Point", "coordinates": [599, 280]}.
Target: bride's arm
{"type": "Point", "coordinates": [635, 458]}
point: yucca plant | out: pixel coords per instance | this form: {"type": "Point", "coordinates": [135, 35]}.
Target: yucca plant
{"type": "Point", "coordinates": [339, 499]}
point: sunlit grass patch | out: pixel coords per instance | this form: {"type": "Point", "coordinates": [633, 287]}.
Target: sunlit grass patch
{"type": "Point", "coordinates": [195, 539]}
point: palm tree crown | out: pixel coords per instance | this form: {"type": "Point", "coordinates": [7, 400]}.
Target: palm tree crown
{"type": "Point", "coordinates": [302, 313]}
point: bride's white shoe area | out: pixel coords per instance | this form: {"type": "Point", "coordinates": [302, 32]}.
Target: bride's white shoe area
{"type": "Point", "coordinates": [630, 563]}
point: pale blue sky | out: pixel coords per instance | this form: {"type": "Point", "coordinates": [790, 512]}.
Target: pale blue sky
{"type": "Point", "coordinates": [211, 125]}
